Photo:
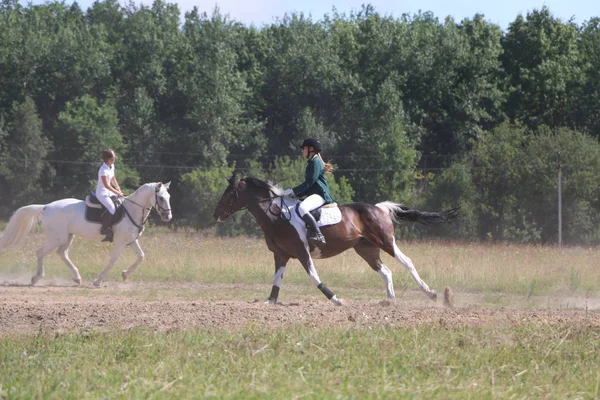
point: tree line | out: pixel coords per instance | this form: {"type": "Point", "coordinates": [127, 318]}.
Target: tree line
{"type": "Point", "coordinates": [416, 109]}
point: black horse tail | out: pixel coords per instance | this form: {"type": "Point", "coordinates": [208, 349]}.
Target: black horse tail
{"type": "Point", "coordinates": [400, 212]}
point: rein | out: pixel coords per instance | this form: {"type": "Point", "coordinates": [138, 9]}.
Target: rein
{"type": "Point", "coordinates": [144, 219]}
{"type": "Point", "coordinates": [281, 214]}
{"type": "Point", "coordinates": [270, 199]}
{"type": "Point", "coordinates": [157, 205]}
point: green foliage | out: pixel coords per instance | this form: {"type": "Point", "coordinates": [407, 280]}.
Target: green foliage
{"type": "Point", "coordinates": [22, 165]}
{"type": "Point", "coordinates": [507, 186]}
{"type": "Point", "coordinates": [496, 160]}
{"type": "Point", "coordinates": [543, 65]}
{"type": "Point", "coordinates": [580, 162]}
{"type": "Point", "coordinates": [89, 128]}
{"type": "Point", "coordinates": [201, 191]}
{"type": "Point", "coordinates": [454, 188]}
{"type": "Point", "coordinates": [587, 106]}
{"type": "Point", "coordinates": [395, 101]}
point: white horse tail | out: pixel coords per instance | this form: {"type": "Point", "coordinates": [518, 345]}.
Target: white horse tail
{"type": "Point", "coordinates": [400, 212]}
{"type": "Point", "coordinates": [19, 226]}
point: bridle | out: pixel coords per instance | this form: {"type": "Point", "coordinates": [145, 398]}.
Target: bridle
{"type": "Point", "coordinates": [270, 199]}
{"type": "Point", "coordinates": [229, 207]}
{"type": "Point", "coordinates": [159, 209]}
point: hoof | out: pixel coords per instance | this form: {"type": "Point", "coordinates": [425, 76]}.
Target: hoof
{"type": "Point", "coordinates": [124, 275]}
{"type": "Point", "coordinates": [448, 297]}
{"type": "Point", "coordinates": [97, 282]}
{"type": "Point", "coordinates": [387, 302]}
{"type": "Point", "coordinates": [34, 279]}
{"type": "Point", "coordinates": [336, 301]}
{"type": "Point", "coordinates": [433, 295]}
{"type": "Point", "coordinates": [77, 280]}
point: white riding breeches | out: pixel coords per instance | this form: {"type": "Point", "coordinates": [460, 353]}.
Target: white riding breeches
{"type": "Point", "coordinates": [310, 203]}
{"type": "Point", "coordinates": [107, 202]}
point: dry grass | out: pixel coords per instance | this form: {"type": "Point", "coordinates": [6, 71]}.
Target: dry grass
{"type": "Point", "coordinates": [482, 268]}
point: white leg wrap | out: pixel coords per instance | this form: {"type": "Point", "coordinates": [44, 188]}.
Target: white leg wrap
{"type": "Point", "coordinates": [386, 275]}
{"type": "Point", "coordinates": [278, 276]}
{"type": "Point", "coordinates": [411, 268]}
{"type": "Point", "coordinates": [312, 274]}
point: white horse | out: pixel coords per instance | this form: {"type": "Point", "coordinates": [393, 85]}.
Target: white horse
{"type": "Point", "coordinates": [63, 219]}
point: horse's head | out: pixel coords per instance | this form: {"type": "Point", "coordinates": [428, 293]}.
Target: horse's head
{"type": "Point", "coordinates": [231, 200]}
{"type": "Point", "coordinates": [162, 201]}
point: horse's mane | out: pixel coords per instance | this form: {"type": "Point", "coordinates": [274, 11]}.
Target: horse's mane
{"type": "Point", "coordinates": [151, 184]}
{"type": "Point", "coordinates": [276, 190]}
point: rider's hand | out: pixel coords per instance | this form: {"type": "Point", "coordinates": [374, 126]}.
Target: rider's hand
{"type": "Point", "coordinates": [289, 192]}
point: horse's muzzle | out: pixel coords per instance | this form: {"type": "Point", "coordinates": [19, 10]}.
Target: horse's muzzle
{"type": "Point", "coordinates": [166, 216]}
{"type": "Point", "coordinates": [221, 218]}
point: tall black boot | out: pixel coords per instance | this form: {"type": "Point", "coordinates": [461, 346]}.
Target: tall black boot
{"type": "Point", "coordinates": [107, 227]}
{"type": "Point", "coordinates": [314, 233]}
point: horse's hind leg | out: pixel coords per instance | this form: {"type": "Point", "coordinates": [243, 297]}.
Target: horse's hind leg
{"type": "Point", "coordinates": [136, 246]}
{"type": "Point", "coordinates": [63, 252]}
{"type": "Point", "coordinates": [398, 255]}
{"type": "Point", "coordinates": [47, 248]}
{"type": "Point", "coordinates": [370, 253]}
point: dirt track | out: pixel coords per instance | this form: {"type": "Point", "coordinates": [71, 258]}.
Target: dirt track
{"type": "Point", "coordinates": [55, 308]}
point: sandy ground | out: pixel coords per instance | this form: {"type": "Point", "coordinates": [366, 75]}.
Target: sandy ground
{"type": "Point", "coordinates": [61, 307]}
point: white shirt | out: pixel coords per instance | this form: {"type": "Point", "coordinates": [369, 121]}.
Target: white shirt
{"type": "Point", "coordinates": [109, 173]}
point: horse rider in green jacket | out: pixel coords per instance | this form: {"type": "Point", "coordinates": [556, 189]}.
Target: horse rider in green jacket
{"type": "Point", "coordinates": [314, 190]}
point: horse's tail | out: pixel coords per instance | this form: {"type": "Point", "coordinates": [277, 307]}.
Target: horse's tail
{"type": "Point", "coordinates": [400, 212]}
{"type": "Point", "coordinates": [19, 226]}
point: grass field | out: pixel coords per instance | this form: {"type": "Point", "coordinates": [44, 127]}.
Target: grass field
{"type": "Point", "coordinates": [441, 357]}
{"type": "Point", "coordinates": [428, 362]}
{"type": "Point", "coordinates": [505, 269]}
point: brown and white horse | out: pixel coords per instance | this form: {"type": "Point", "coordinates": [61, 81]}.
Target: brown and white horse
{"type": "Point", "coordinates": [366, 228]}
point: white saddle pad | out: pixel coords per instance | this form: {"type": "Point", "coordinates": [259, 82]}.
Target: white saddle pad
{"type": "Point", "coordinates": [329, 215]}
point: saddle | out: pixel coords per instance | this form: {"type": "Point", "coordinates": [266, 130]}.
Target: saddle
{"type": "Point", "coordinates": [94, 209]}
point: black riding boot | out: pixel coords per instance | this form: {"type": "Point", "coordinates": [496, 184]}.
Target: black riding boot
{"type": "Point", "coordinates": [106, 227]}
{"type": "Point", "coordinates": [314, 233]}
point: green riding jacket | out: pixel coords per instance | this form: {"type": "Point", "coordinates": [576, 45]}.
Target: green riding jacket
{"type": "Point", "coordinates": [314, 181]}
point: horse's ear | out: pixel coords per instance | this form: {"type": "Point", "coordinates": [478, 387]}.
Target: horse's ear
{"type": "Point", "coordinates": [167, 185]}
{"type": "Point", "coordinates": [157, 189]}
{"type": "Point", "coordinates": [233, 180]}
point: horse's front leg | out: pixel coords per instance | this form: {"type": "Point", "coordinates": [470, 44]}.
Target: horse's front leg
{"type": "Point", "coordinates": [114, 256]}
{"type": "Point", "coordinates": [136, 246]}
{"type": "Point", "coordinates": [280, 263]}
{"type": "Point", "coordinates": [309, 266]}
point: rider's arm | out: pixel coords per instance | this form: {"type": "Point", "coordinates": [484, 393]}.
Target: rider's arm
{"type": "Point", "coordinates": [116, 184]}
{"type": "Point", "coordinates": [108, 186]}
{"type": "Point", "coordinates": [310, 177]}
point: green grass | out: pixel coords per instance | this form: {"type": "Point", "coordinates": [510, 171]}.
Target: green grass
{"type": "Point", "coordinates": [299, 362]}
{"type": "Point", "coordinates": [531, 360]}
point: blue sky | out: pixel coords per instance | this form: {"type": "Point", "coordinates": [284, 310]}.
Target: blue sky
{"type": "Point", "coordinates": [503, 12]}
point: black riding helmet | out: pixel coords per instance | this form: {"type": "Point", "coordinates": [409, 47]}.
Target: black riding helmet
{"type": "Point", "coordinates": [315, 143]}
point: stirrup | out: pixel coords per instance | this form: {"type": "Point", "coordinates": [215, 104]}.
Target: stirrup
{"type": "Point", "coordinates": [109, 235]}
{"type": "Point", "coordinates": [317, 238]}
